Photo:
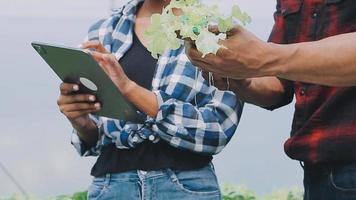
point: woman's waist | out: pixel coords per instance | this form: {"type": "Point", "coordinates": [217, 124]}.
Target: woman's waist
{"type": "Point", "coordinates": [147, 157]}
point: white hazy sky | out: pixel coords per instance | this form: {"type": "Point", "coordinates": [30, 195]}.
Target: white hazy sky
{"type": "Point", "coordinates": [34, 136]}
{"type": "Point", "coordinates": [81, 8]}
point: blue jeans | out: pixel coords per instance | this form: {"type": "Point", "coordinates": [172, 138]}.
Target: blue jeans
{"type": "Point", "coordinates": [330, 182]}
{"type": "Point", "coordinates": [200, 184]}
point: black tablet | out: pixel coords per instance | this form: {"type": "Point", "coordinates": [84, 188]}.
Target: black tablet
{"type": "Point", "coordinates": [76, 66]}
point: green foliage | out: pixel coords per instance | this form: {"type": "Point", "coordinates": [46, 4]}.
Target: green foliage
{"type": "Point", "coordinates": [230, 192]}
{"type": "Point", "coordinates": [80, 196]}
{"type": "Point", "coordinates": [190, 19]}
{"type": "Point", "coordinates": [284, 194]}
{"type": "Point", "coordinates": [75, 196]}
{"type": "Point", "coordinates": [19, 197]}
{"type": "Point", "coordinates": [233, 192]}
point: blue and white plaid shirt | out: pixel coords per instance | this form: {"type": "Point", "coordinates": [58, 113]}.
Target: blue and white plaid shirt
{"type": "Point", "coordinates": [192, 114]}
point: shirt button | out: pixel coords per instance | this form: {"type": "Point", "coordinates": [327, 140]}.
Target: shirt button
{"type": "Point", "coordinates": [302, 92]}
{"type": "Point", "coordinates": [151, 137]}
{"type": "Point", "coordinates": [284, 11]}
{"type": "Point", "coordinates": [135, 139]}
{"type": "Point", "coordinates": [315, 15]}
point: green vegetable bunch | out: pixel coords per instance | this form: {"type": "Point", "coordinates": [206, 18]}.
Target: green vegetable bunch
{"type": "Point", "coordinates": [190, 19]}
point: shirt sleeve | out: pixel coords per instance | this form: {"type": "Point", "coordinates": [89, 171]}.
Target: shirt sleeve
{"type": "Point", "coordinates": [194, 115]}
{"type": "Point", "coordinates": [278, 36]}
{"type": "Point", "coordinates": [111, 131]}
{"type": "Point", "coordinates": [82, 147]}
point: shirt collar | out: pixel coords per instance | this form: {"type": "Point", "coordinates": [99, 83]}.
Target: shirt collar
{"type": "Point", "coordinates": [130, 8]}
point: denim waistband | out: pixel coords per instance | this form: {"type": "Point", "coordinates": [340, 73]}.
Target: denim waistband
{"type": "Point", "coordinates": [136, 175]}
{"type": "Point", "coordinates": [139, 174]}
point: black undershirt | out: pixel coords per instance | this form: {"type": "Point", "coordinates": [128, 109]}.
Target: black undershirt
{"type": "Point", "coordinates": [140, 67]}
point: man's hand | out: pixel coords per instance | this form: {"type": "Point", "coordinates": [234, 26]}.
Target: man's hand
{"type": "Point", "coordinates": [244, 56]}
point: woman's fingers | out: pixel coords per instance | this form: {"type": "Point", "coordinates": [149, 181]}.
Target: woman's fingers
{"type": "Point", "coordinates": [107, 62]}
{"type": "Point", "coordinates": [75, 107]}
{"type": "Point", "coordinates": [99, 57]}
{"type": "Point", "coordinates": [113, 69]}
{"type": "Point", "coordinates": [94, 45]}
{"type": "Point", "coordinates": [68, 99]}
{"type": "Point", "coordinates": [67, 88]}
{"type": "Point", "coordinates": [77, 114]}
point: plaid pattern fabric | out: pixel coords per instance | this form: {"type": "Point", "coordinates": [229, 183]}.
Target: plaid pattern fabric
{"type": "Point", "coordinates": [324, 126]}
{"type": "Point", "coordinates": [192, 114]}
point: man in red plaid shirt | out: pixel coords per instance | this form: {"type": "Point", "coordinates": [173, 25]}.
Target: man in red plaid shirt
{"type": "Point", "coordinates": [311, 55]}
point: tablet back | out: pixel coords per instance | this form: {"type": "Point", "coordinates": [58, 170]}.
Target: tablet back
{"type": "Point", "coordinates": [76, 66]}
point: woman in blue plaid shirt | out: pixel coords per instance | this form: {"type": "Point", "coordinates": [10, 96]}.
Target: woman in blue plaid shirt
{"type": "Point", "coordinates": [188, 120]}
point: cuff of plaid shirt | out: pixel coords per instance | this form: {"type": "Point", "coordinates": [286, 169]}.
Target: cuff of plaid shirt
{"type": "Point", "coordinates": [160, 100]}
{"type": "Point", "coordinates": [82, 147]}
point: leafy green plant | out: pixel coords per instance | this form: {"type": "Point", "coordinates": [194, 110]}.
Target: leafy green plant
{"type": "Point", "coordinates": [19, 197]}
{"type": "Point", "coordinates": [233, 192]}
{"type": "Point", "coordinates": [285, 194]}
{"type": "Point", "coordinates": [75, 196]}
{"type": "Point", "coordinates": [230, 192]}
{"type": "Point", "coordinates": [190, 19]}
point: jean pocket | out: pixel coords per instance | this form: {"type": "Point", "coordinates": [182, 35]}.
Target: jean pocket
{"type": "Point", "coordinates": [197, 182]}
{"type": "Point", "coordinates": [97, 188]}
{"type": "Point", "coordinates": [344, 179]}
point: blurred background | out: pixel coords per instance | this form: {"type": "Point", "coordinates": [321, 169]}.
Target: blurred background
{"type": "Point", "coordinates": [35, 138]}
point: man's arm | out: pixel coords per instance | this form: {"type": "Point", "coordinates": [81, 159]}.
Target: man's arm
{"type": "Point", "coordinates": [303, 62]}
{"type": "Point", "coordinates": [330, 61]}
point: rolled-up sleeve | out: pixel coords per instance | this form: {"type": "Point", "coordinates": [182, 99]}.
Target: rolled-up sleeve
{"type": "Point", "coordinates": [82, 147]}
{"type": "Point", "coordinates": [204, 124]}
{"type": "Point", "coordinates": [111, 131]}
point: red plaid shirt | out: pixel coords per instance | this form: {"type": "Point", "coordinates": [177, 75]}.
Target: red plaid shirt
{"type": "Point", "coordinates": [324, 125]}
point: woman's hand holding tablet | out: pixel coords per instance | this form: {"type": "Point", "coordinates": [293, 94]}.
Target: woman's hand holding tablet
{"type": "Point", "coordinates": [77, 107]}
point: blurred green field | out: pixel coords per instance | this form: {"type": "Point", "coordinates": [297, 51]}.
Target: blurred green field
{"type": "Point", "coordinates": [230, 192]}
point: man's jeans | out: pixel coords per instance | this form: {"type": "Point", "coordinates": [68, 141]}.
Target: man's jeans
{"type": "Point", "coordinates": [157, 185]}
{"type": "Point", "coordinates": [330, 182]}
